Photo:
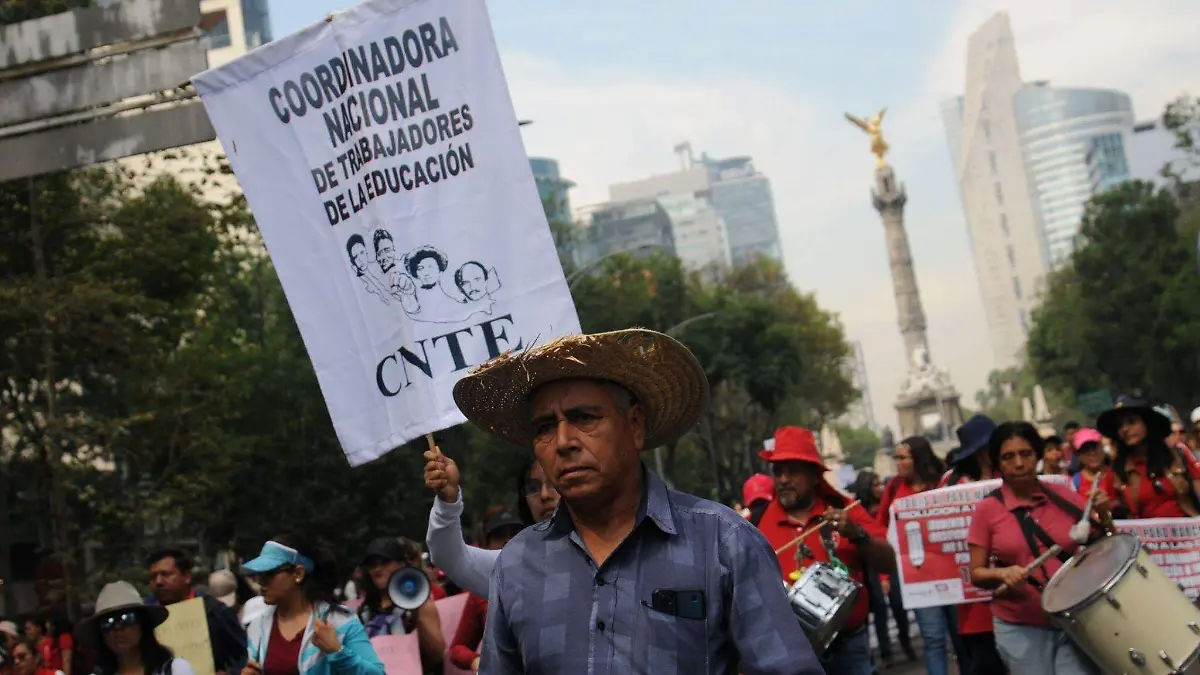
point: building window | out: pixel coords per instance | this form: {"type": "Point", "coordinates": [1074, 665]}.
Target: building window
{"type": "Point", "coordinates": [1004, 224]}
{"type": "Point", "coordinates": [999, 194]}
{"type": "Point", "coordinates": [216, 30]}
{"type": "Point", "coordinates": [992, 160]}
{"type": "Point", "coordinates": [1017, 287]}
{"type": "Point", "coordinates": [1024, 321]}
{"type": "Point", "coordinates": [1012, 261]}
{"type": "Point", "coordinates": [987, 130]}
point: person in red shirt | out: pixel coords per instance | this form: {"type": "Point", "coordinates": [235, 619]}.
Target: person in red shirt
{"type": "Point", "coordinates": [1014, 525]}
{"type": "Point", "coordinates": [1151, 479]}
{"type": "Point", "coordinates": [27, 660]}
{"type": "Point", "coordinates": [500, 525]}
{"type": "Point", "coordinates": [918, 469]}
{"type": "Point", "coordinates": [802, 499]}
{"type": "Point", "coordinates": [757, 492]}
{"type": "Point", "coordinates": [969, 465]}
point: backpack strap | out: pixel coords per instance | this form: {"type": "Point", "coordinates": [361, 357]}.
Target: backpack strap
{"type": "Point", "coordinates": [1077, 480]}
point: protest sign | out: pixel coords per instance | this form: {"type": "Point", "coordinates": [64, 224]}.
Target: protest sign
{"type": "Point", "coordinates": [185, 632]}
{"type": "Point", "coordinates": [399, 654]}
{"type": "Point", "coordinates": [1173, 545]}
{"type": "Point", "coordinates": [381, 156]}
{"type": "Point", "coordinates": [929, 534]}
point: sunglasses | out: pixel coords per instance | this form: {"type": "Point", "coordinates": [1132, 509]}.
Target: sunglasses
{"type": "Point", "coordinates": [114, 621]}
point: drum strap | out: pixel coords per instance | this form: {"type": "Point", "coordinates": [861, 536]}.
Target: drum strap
{"type": "Point", "coordinates": [1034, 532]}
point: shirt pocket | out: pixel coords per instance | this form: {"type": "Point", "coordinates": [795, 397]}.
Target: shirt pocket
{"type": "Point", "coordinates": [671, 645]}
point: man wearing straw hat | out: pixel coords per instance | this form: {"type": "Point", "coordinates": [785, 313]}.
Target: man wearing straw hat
{"type": "Point", "coordinates": [628, 575]}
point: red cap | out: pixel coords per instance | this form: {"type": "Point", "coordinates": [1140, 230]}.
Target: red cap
{"type": "Point", "coordinates": [759, 486]}
{"type": "Point", "coordinates": [793, 444]}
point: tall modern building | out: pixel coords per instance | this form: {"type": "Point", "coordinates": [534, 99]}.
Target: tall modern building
{"type": "Point", "coordinates": [552, 187]}
{"type": "Point", "coordinates": [739, 194]}
{"type": "Point", "coordinates": [1027, 157]}
{"type": "Point", "coordinates": [861, 413]}
{"type": "Point", "coordinates": [1061, 129]}
{"type": "Point", "coordinates": [1007, 241]}
{"type": "Point", "coordinates": [638, 226]}
{"type": "Point", "coordinates": [698, 230]}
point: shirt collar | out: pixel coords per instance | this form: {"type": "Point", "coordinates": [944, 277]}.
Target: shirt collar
{"type": "Point", "coordinates": [1012, 502]}
{"type": "Point", "coordinates": [655, 504]}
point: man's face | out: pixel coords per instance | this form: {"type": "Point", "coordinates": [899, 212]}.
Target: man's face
{"type": "Point", "coordinates": [795, 484]}
{"type": "Point", "coordinates": [474, 281]}
{"type": "Point", "coordinates": [168, 583]}
{"type": "Point", "coordinates": [1052, 457]}
{"type": "Point", "coordinates": [586, 445]}
{"type": "Point", "coordinates": [427, 272]}
{"type": "Point", "coordinates": [33, 630]}
{"type": "Point", "coordinates": [358, 256]}
{"type": "Point", "coordinates": [385, 253]}
{"type": "Point", "coordinates": [1071, 436]}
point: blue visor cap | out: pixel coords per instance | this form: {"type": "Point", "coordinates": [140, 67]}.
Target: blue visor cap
{"type": "Point", "coordinates": [275, 555]}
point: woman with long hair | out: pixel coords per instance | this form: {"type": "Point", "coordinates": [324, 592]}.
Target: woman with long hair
{"type": "Point", "coordinates": [302, 630]}
{"type": "Point", "coordinates": [867, 490]}
{"type": "Point", "coordinates": [122, 634]}
{"type": "Point", "coordinates": [918, 469]}
{"type": "Point", "coordinates": [468, 566]}
{"type": "Point", "coordinates": [385, 557]}
{"type": "Point", "coordinates": [1149, 478]}
{"type": "Point", "coordinates": [1014, 525]}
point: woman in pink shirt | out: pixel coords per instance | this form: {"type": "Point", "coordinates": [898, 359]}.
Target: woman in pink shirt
{"type": "Point", "coordinates": [1013, 525]}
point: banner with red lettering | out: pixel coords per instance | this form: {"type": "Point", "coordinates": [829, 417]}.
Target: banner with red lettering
{"type": "Point", "coordinates": [929, 534]}
{"type": "Point", "coordinates": [1173, 545]}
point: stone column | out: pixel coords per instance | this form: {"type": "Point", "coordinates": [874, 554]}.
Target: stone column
{"type": "Point", "coordinates": [889, 198]}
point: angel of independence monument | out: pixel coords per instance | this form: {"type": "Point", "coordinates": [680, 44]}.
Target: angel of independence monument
{"type": "Point", "coordinates": [928, 402]}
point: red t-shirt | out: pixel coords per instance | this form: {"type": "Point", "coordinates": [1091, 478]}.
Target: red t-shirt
{"type": "Point", "coordinates": [1151, 503]}
{"type": "Point", "coordinates": [464, 646]}
{"type": "Point", "coordinates": [994, 528]}
{"type": "Point", "coordinates": [283, 655]}
{"type": "Point", "coordinates": [897, 488]}
{"type": "Point", "coordinates": [46, 647]}
{"type": "Point", "coordinates": [780, 529]}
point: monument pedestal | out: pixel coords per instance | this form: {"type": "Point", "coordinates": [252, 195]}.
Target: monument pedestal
{"type": "Point", "coordinates": [932, 413]}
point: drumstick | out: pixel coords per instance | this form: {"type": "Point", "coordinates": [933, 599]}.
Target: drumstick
{"type": "Point", "coordinates": [1041, 560]}
{"type": "Point", "coordinates": [810, 530]}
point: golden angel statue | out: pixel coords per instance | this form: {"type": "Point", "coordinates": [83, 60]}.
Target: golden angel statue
{"type": "Point", "coordinates": [872, 126]}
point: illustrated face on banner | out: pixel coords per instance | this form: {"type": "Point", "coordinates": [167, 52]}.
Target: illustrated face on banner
{"type": "Point", "coordinates": [471, 279]}
{"type": "Point", "coordinates": [381, 156]}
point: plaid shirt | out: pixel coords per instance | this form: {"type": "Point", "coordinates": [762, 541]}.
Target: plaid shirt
{"type": "Point", "coordinates": [551, 610]}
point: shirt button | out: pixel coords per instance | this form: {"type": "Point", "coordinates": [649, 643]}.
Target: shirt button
{"type": "Point", "coordinates": [600, 625]}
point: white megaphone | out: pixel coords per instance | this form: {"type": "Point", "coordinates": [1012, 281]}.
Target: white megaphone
{"type": "Point", "coordinates": [408, 588]}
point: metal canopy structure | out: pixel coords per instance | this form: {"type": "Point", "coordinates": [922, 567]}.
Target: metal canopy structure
{"type": "Point", "coordinates": [98, 84]}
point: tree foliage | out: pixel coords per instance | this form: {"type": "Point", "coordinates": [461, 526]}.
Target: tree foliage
{"type": "Point", "coordinates": [153, 372]}
{"type": "Point", "coordinates": [1122, 314]}
{"type": "Point", "coordinates": [859, 445]}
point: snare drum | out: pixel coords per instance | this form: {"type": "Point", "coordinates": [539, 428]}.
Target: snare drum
{"type": "Point", "coordinates": [823, 598]}
{"type": "Point", "coordinates": [1120, 608]}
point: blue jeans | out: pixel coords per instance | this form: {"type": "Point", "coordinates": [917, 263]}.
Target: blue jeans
{"type": "Point", "coordinates": [936, 623]}
{"type": "Point", "coordinates": [1030, 650]}
{"type": "Point", "coordinates": [851, 655]}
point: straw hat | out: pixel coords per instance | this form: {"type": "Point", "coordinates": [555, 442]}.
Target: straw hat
{"type": "Point", "coordinates": [117, 597]}
{"type": "Point", "coordinates": [663, 376]}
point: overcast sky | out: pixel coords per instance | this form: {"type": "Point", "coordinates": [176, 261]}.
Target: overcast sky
{"type": "Point", "coordinates": [612, 86]}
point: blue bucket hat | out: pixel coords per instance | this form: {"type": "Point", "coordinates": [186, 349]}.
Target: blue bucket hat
{"type": "Point", "coordinates": [275, 555]}
{"type": "Point", "coordinates": [973, 436]}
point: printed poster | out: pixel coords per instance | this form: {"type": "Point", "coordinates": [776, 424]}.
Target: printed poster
{"type": "Point", "coordinates": [929, 534]}
{"type": "Point", "coordinates": [186, 632]}
{"type": "Point", "coordinates": [381, 156]}
{"type": "Point", "coordinates": [1173, 545]}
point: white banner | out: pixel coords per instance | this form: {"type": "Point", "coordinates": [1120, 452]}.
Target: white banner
{"type": "Point", "coordinates": [382, 159]}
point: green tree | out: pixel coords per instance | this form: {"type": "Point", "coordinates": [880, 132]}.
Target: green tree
{"type": "Point", "coordinates": [1122, 314]}
{"type": "Point", "coordinates": [859, 445]}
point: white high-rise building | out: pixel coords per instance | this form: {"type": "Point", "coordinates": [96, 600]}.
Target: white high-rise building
{"type": "Point", "coordinates": [699, 231]}
{"type": "Point", "coordinates": [1027, 157]}
{"type": "Point", "coordinates": [1007, 242]}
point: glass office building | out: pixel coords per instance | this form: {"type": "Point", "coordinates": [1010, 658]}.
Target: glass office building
{"type": "Point", "coordinates": [1072, 140]}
